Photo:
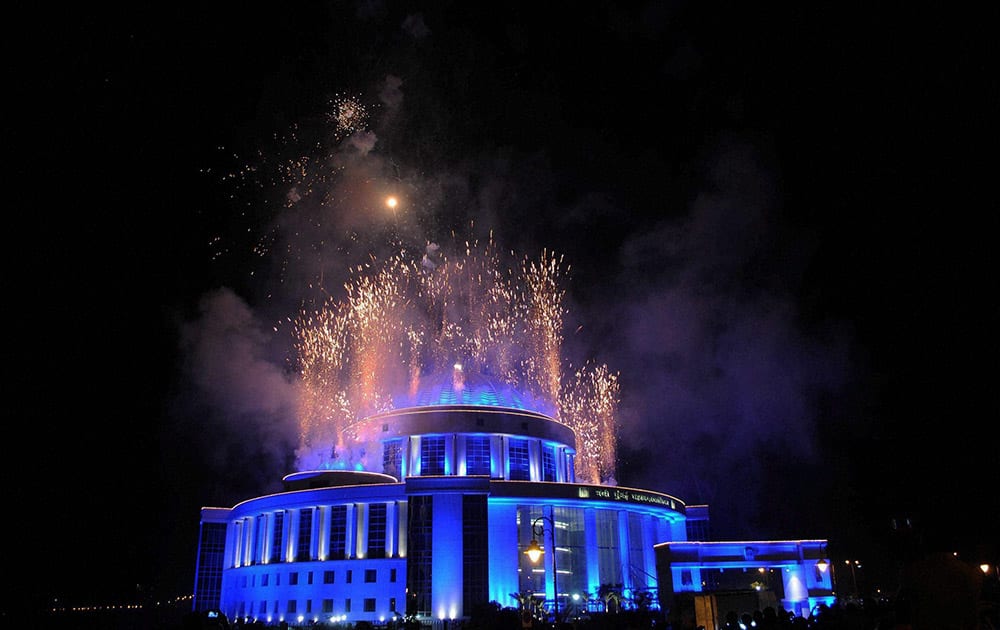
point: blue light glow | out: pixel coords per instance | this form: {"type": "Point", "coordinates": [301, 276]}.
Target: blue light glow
{"type": "Point", "coordinates": [472, 390]}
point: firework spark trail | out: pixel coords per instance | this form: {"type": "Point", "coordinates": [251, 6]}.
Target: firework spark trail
{"type": "Point", "coordinates": [544, 300]}
{"type": "Point", "coordinates": [405, 320]}
{"type": "Point", "coordinates": [321, 341]}
{"type": "Point", "coordinates": [589, 405]}
{"type": "Point", "coordinates": [378, 304]}
{"type": "Point", "coordinates": [605, 397]}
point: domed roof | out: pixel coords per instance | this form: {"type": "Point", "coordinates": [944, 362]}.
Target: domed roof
{"type": "Point", "coordinates": [459, 387]}
{"type": "Point", "coordinates": [310, 479]}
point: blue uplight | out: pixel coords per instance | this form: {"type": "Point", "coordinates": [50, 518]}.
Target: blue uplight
{"type": "Point", "coordinates": [469, 389]}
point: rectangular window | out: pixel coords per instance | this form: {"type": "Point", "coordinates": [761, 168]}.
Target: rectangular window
{"type": "Point", "coordinates": [475, 557]}
{"type": "Point", "coordinates": [419, 551]}
{"type": "Point", "coordinates": [338, 532]}
{"type": "Point", "coordinates": [637, 559]}
{"type": "Point", "coordinates": [392, 604]}
{"type": "Point", "coordinates": [309, 606]}
{"type": "Point", "coordinates": [263, 608]}
{"type": "Point", "coordinates": [264, 578]}
{"type": "Point", "coordinates": [291, 607]}
{"type": "Point", "coordinates": [392, 575]}
{"type": "Point", "coordinates": [370, 575]}
{"type": "Point", "coordinates": [432, 455]}
{"type": "Point", "coordinates": [608, 548]}
{"type": "Point", "coordinates": [327, 605]}
{"type": "Point", "coordinates": [279, 537]}
{"type": "Point", "coordinates": [211, 559]}
{"type": "Point", "coordinates": [518, 459]}
{"type": "Point", "coordinates": [347, 605]}
{"type": "Point", "coordinates": [350, 576]}
{"type": "Point", "coordinates": [477, 455]}
{"type": "Point", "coordinates": [571, 549]}
{"type": "Point", "coordinates": [369, 604]}
{"type": "Point", "coordinates": [376, 530]}
{"type": "Point", "coordinates": [548, 463]}
{"type": "Point", "coordinates": [328, 577]}
{"type": "Point", "coordinates": [305, 535]}
{"type": "Point", "coordinates": [309, 577]}
{"type": "Point", "coordinates": [392, 458]}
{"type": "Point", "coordinates": [293, 578]}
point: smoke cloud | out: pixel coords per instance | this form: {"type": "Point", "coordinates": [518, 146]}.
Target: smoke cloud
{"type": "Point", "coordinates": [722, 386]}
{"type": "Point", "coordinates": [249, 401]}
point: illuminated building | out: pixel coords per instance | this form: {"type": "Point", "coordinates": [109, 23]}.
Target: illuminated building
{"type": "Point", "coordinates": [469, 478]}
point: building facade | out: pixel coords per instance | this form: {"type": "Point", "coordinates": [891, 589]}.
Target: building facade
{"type": "Point", "coordinates": [468, 485]}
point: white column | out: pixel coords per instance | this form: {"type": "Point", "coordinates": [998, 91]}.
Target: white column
{"type": "Point", "coordinates": [549, 541]}
{"type": "Point", "coordinates": [294, 516]}
{"type": "Point", "coordinates": [315, 543]}
{"type": "Point", "coordinates": [265, 540]}
{"type": "Point", "coordinates": [496, 457]}
{"type": "Point", "coordinates": [794, 583]}
{"type": "Point", "coordinates": [390, 529]}
{"type": "Point", "coordinates": [361, 548]}
{"type": "Point", "coordinates": [292, 529]}
{"type": "Point", "coordinates": [402, 510]}
{"type": "Point", "coordinates": [323, 532]}
{"type": "Point", "coordinates": [504, 555]}
{"type": "Point", "coordinates": [590, 536]}
{"type": "Point", "coordinates": [461, 468]}
{"type": "Point", "coordinates": [249, 527]}
{"type": "Point", "coordinates": [449, 454]}
{"type": "Point", "coordinates": [649, 561]}
{"type": "Point", "coordinates": [291, 521]}
{"type": "Point", "coordinates": [446, 561]}
{"type": "Point", "coordinates": [236, 543]}
{"type": "Point", "coordinates": [415, 456]}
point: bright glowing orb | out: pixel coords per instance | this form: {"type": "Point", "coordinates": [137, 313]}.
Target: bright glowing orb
{"type": "Point", "coordinates": [391, 202]}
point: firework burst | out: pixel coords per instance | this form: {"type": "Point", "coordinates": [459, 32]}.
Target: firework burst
{"type": "Point", "coordinates": [347, 114]}
{"type": "Point", "coordinates": [589, 404]}
{"type": "Point", "coordinates": [414, 317]}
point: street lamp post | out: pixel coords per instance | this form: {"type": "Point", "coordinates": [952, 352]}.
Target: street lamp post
{"type": "Point", "coordinates": [535, 552]}
{"type": "Point", "coordinates": [854, 564]}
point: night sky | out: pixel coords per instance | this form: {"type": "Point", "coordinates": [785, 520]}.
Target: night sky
{"type": "Point", "coordinates": [778, 221]}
